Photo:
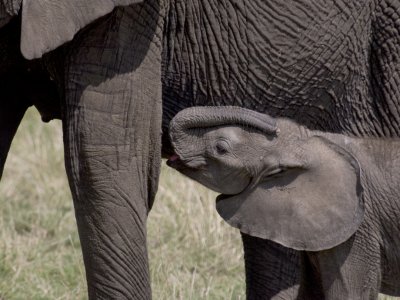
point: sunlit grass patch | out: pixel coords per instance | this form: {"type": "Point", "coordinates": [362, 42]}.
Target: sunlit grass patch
{"type": "Point", "coordinates": [194, 255]}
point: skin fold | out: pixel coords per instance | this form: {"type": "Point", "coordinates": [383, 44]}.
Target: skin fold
{"type": "Point", "coordinates": [331, 197]}
{"type": "Point", "coordinates": [118, 71]}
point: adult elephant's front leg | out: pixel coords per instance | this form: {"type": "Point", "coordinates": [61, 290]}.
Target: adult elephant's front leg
{"type": "Point", "coordinates": [112, 126]}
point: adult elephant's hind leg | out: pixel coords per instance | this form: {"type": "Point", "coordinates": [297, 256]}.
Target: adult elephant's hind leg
{"type": "Point", "coordinates": [272, 271]}
{"type": "Point", "coordinates": [112, 131]}
{"type": "Point", "coordinates": [12, 109]}
{"type": "Point", "coordinates": [10, 116]}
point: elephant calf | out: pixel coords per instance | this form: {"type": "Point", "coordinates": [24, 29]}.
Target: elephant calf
{"type": "Point", "coordinates": [330, 196]}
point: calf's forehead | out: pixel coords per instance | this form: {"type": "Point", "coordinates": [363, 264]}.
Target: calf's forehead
{"type": "Point", "coordinates": [232, 133]}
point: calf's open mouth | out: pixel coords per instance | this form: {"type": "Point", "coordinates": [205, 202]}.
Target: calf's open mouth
{"type": "Point", "coordinates": [174, 161]}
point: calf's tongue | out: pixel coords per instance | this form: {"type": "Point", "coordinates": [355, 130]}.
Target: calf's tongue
{"type": "Point", "coordinates": [173, 157]}
{"type": "Point", "coordinates": [173, 161]}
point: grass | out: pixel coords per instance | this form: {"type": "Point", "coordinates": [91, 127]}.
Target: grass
{"type": "Point", "coordinates": [39, 247]}
{"type": "Point", "coordinates": [193, 254]}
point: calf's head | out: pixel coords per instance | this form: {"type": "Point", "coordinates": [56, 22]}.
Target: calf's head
{"type": "Point", "coordinates": [277, 181]}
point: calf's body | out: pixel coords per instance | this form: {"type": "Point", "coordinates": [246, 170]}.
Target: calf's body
{"type": "Point", "coordinates": [332, 197]}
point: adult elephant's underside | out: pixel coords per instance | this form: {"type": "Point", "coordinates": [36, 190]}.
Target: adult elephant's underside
{"type": "Point", "coordinates": [331, 65]}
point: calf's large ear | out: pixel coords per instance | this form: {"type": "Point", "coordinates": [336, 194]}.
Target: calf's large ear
{"type": "Point", "coordinates": [47, 24]}
{"type": "Point", "coordinates": [312, 208]}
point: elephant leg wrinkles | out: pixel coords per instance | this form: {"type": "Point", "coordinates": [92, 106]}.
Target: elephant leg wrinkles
{"type": "Point", "coordinates": [112, 136]}
{"type": "Point", "coordinates": [272, 271]}
{"type": "Point", "coordinates": [350, 270]}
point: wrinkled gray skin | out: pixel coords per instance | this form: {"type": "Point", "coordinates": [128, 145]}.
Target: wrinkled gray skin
{"type": "Point", "coordinates": [333, 198]}
{"type": "Point", "coordinates": [331, 65]}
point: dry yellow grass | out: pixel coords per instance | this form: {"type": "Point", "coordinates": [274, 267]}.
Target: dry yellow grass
{"type": "Point", "coordinates": [193, 254]}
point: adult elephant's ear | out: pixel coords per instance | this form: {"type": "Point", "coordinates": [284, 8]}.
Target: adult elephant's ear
{"type": "Point", "coordinates": [314, 207]}
{"type": "Point", "coordinates": [47, 24]}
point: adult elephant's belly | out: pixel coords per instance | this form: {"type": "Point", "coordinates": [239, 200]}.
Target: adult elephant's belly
{"type": "Point", "coordinates": [306, 60]}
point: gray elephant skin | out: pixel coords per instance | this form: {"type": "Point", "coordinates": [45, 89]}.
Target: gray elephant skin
{"type": "Point", "coordinates": [116, 72]}
{"type": "Point", "coordinates": [333, 198]}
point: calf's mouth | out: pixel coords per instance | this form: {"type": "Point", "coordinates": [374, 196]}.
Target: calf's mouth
{"type": "Point", "coordinates": [175, 162]}
{"type": "Point", "coordinates": [179, 164]}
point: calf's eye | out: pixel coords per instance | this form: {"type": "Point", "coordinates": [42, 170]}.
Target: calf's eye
{"type": "Point", "coordinates": [221, 147]}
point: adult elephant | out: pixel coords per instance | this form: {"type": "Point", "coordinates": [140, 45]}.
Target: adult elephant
{"type": "Point", "coordinates": [331, 65]}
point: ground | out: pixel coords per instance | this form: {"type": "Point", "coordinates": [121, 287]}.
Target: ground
{"type": "Point", "coordinates": [193, 254]}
